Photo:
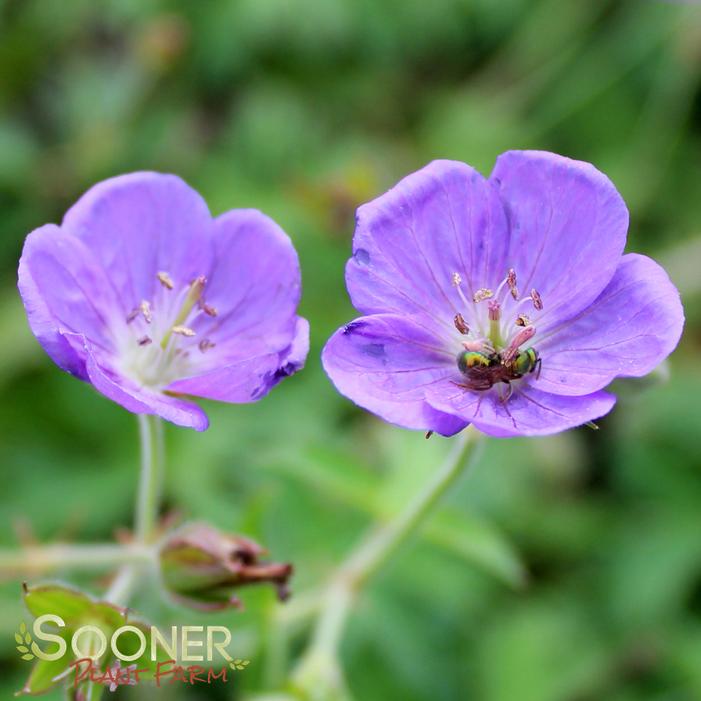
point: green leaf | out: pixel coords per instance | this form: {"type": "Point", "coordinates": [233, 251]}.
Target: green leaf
{"type": "Point", "coordinates": [69, 604]}
{"type": "Point", "coordinates": [42, 676]}
{"type": "Point", "coordinates": [74, 607]}
{"type": "Point", "coordinates": [18, 639]}
{"type": "Point", "coordinates": [28, 657]}
{"type": "Point", "coordinates": [23, 648]}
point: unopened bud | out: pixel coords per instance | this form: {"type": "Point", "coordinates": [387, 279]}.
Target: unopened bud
{"type": "Point", "coordinates": [202, 567]}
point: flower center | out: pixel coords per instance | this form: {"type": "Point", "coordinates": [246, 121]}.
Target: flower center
{"type": "Point", "coordinates": [494, 327]}
{"type": "Point", "coordinates": [159, 339]}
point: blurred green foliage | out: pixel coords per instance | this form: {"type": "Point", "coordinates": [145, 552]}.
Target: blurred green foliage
{"type": "Point", "coordinates": [562, 569]}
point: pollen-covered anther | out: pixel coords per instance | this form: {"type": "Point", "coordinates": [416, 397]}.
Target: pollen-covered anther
{"type": "Point", "coordinates": [457, 280]}
{"type": "Point", "coordinates": [145, 341]}
{"type": "Point", "coordinates": [536, 299]}
{"type": "Point", "coordinates": [165, 280]}
{"type": "Point", "coordinates": [511, 282]}
{"type": "Point", "coordinates": [460, 324]}
{"type": "Point", "coordinates": [482, 294]}
{"type": "Point", "coordinates": [522, 320]}
{"type": "Point", "coordinates": [494, 310]}
{"type": "Point", "coordinates": [205, 344]}
{"type": "Point", "coordinates": [145, 311]}
{"type": "Point", "coordinates": [183, 331]}
{"type": "Point", "coordinates": [208, 309]}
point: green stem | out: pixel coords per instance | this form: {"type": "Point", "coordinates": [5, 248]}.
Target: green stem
{"type": "Point", "coordinates": [40, 558]}
{"type": "Point", "coordinates": [148, 498]}
{"type": "Point", "coordinates": [123, 584]}
{"type": "Point", "coordinates": [371, 555]}
{"type": "Point", "coordinates": [147, 503]}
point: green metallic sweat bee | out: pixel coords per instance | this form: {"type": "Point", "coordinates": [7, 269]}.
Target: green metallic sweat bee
{"type": "Point", "coordinates": [483, 370]}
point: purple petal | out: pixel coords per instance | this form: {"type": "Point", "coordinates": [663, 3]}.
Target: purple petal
{"type": "Point", "coordinates": [529, 412]}
{"type": "Point", "coordinates": [253, 375]}
{"type": "Point", "coordinates": [255, 286]}
{"type": "Point", "coordinates": [139, 400]}
{"type": "Point", "coordinates": [629, 329]}
{"type": "Point", "coordinates": [385, 363]}
{"type": "Point", "coordinates": [408, 243]}
{"type": "Point", "coordinates": [568, 229]}
{"type": "Point", "coordinates": [65, 291]}
{"type": "Point", "coordinates": [140, 224]}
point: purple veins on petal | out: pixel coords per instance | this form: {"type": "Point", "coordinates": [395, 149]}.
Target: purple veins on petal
{"type": "Point", "coordinates": [505, 302]}
{"type": "Point", "coordinates": [129, 293]}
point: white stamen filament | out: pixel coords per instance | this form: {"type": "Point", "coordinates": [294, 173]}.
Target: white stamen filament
{"type": "Point", "coordinates": [457, 283]}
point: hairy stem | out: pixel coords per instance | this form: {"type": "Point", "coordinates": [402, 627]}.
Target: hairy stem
{"type": "Point", "coordinates": [371, 555]}
{"type": "Point", "coordinates": [147, 503]}
{"type": "Point", "coordinates": [40, 558]}
{"type": "Point", "coordinates": [148, 497]}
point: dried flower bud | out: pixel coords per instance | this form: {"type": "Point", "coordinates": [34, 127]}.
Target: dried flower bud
{"type": "Point", "coordinates": [202, 567]}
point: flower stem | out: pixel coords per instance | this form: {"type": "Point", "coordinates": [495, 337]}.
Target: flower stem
{"type": "Point", "coordinates": [148, 498]}
{"type": "Point", "coordinates": [147, 503]}
{"type": "Point", "coordinates": [372, 554]}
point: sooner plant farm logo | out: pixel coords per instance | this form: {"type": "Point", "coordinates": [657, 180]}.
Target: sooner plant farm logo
{"type": "Point", "coordinates": [23, 638]}
{"type": "Point", "coordinates": [171, 658]}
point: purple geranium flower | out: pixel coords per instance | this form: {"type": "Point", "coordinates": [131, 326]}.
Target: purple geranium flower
{"type": "Point", "coordinates": [506, 302]}
{"type": "Point", "coordinates": [143, 294]}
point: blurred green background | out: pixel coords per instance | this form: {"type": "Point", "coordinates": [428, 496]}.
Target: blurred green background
{"type": "Point", "coordinates": [561, 569]}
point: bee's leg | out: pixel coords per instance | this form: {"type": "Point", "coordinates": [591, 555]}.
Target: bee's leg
{"type": "Point", "coordinates": [509, 392]}
{"type": "Point", "coordinates": [475, 386]}
{"type": "Point", "coordinates": [506, 409]}
{"type": "Point", "coordinates": [428, 434]}
{"type": "Point", "coordinates": [536, 368]}
{"type": "Point", "coordinates": [505, 400]}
